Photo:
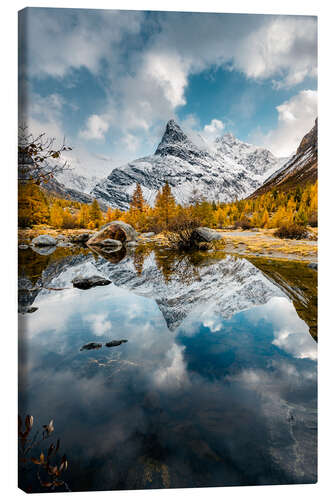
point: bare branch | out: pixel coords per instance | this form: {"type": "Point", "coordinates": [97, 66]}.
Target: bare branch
{"type": "Point", "coordinates": [38, 157]}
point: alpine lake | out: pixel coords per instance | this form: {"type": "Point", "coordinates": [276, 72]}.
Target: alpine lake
{"type": "Point", "coordinates": [216, 384]}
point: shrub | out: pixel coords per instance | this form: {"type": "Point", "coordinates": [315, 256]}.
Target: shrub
{"type": "Point", "coordinates": [243, 223]}
{"type": "Point", "coordinates": [291, 231]}
{"type": "Point", "coordinates": [183, 240]}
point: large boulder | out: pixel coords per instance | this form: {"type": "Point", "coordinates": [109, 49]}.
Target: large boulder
{"type": "Point", "coordinates": [44, 240]}
{"type": "Point", "coordinates": [205, 234]}
{"type": "Point", "coordinates": [116, 230]}
{"type": "Point", "coordinates": [84, 283]}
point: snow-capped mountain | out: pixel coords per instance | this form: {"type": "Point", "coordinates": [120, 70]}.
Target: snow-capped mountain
{"type": "Point", "coordinates": [230, 169]}
{"type": "Point", "coordinates": [300, 169]}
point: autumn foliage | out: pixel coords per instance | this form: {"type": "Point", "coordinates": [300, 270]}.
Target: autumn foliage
{"type": "Point", "coordinates": [271, 210]}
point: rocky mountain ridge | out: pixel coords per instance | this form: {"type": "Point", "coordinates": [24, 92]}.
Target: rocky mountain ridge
{"type": "Point", "coordinates": [302, 168]}
{"type": "Point", "coordinates": [228, 170]}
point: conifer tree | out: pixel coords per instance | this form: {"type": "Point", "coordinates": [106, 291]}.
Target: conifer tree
{"type": "Point", "coordinates": [56, 216]}
{"type": "Point", "coordinates": [109, 215]}
{"type": "Point", "coordinates": [33, 206]}
{"type": "Point", "coordinates": [138, 202]}
{"type": "Point", "coordinates": [83, 216]}
{"type": "Point", "coordinates": [165, 206]}
{"type": "Point", "coordinates": [95, 213]}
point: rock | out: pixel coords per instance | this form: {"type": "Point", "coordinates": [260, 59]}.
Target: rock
{"type": "Point", "coordinates": [205, 234]}
{"type": "Point", "coordinates": [115, 343]}
{"type": "Point", "coordinates": [80, 238]}
{"type": "Point", "coordinates": [147, 235]}
{"type": "Point", "coordinates": [32, 309]}
{"type": "Point", "coordinates": [116, 230]}
{"type": "Point", "coordinates": [132, 244]}
{"type": "Point", "coordinates": [91, 345]}
{"type": "Point", "coordinates": [110, 243]}
{"type": "Point", "coordinates": [86, 283]}
{"type": "Point", "coordinates": [65, 244]}
{"type": "Point", "coordinates": [60, 237]}
{"type": "Point", "coordinates": [23, 247]}
{"type": "Point", "coordinates": [313, 265]}
{"type": "Point", "coordinates": [44, 240]}
{"type": "Point", "coordinates": [43, 250]}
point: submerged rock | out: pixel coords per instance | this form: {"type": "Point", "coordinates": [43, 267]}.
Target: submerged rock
{"type": "Point", "coordinates": [44, 240]}
{"type": "Point", "coordinates": [313, 265]}
{"type": "Point", "coordinates": [116, 230]}
{"type": "Point", "coordinates": [115, 343]}
{"type": "Point", "coordinates": [84, 283]}
{"type": "Point", "coordinates": [23, 247]}
{"type": "Point", "coordinates": [90, 346]}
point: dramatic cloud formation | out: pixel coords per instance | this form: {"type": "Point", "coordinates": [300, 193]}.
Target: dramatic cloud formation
{"type": "Point", "coordinates": [60, 40]}
{"type": "Point", "coordinates": [144, 64]}
{"type": "Point", "coordinates": [296, 118]}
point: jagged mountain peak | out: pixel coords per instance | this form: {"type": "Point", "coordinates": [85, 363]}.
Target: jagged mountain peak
{"type": "Point", "coordinates": [173, 140]}
{"type": "Point", "coordinates": [232, 169]}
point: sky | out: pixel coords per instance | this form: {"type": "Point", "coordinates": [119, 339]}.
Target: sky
{"type": "Point", "coordinates": [109, 80]}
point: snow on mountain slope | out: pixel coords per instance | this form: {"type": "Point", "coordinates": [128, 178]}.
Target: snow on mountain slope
{"type": "Point", "coordinates": [231, 169]}
{"type": "Point", "coordinates": [300, 169]}
{"type": "Point", "coordinates": [73, 180]}
{"type": "Point", "coordinates": [86, 169]}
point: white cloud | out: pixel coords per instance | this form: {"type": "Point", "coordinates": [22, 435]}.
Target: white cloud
{"type": "Point", "coordinates": [290, 332]}
{"type": "Point", "coordinates": [295, 118]}
{"type": "Point", "coordinates": [100, 325]}
{"type": "Point", "coordinates": [61, 40]}
{"type": "Point", "coordinates": [168, 70]}
{"type": "Point", "coordinates": [146, 71]}
{"type": "Point", "coordinates": [214, 129]}
{"type": "Point", "coordinates": [285, 47]}
{"type": "Point", "coordinates": [96, 127]}
{"type": "Point", "coordinates": [174, 371]}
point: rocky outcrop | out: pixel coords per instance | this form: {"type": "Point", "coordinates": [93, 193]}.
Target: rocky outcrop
{"type": "Point", "coordinates": [116, 230]}
{"type": "Point", "coordinates": [301, 169]}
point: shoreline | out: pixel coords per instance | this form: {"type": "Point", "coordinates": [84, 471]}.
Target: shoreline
{"type": "Point", "coordinates": [252, 243]}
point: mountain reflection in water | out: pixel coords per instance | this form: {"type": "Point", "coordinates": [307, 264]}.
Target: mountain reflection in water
{"type": "Point", "coordinates": [217, 384]}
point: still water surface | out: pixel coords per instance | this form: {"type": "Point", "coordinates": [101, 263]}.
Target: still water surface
{"type": "Point", "coordinates": [216, 386]}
